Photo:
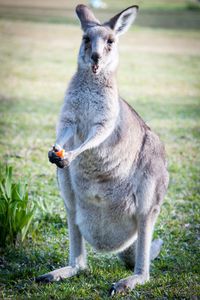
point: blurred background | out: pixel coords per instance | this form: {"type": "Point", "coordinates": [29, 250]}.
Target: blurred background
{"type": "Point", "coordinates": [177, 14]}
{"type": "Point", "coordinates": [159, 75]}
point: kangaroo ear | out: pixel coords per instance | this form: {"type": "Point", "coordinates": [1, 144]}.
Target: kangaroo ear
{"type": "Point", "coordinates": [122, 21]}
{"type": "Point", "coordinates": [86, 17]}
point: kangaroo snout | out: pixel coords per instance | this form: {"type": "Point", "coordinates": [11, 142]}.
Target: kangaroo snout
{"type": "Point", "coordinates": [95, 57]}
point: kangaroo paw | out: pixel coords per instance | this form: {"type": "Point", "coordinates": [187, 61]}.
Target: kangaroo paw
{"type": "Point", "coordinates": [57, 275]}
{"type": "Point", "coordinates": [127, 284]}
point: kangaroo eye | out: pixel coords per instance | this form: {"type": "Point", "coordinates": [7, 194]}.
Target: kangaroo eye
{"type": "Point", "coordinates": [86, 39]}
{"type": "Point", "coordinates": [110, 41]}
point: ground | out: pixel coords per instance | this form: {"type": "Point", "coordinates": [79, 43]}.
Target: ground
{"type": "Point", "coordinates": [159, 76]}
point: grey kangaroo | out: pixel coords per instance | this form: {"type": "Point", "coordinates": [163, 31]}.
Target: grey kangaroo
{"type": "Point", "coordinates": [113, 175]}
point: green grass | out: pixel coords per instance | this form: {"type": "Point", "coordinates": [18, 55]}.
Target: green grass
{"type": "Point", "coordinates": [159, 75]}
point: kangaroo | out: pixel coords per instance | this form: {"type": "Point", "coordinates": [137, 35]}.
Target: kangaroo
{"type": "Point", "coordinates": [113, 176]}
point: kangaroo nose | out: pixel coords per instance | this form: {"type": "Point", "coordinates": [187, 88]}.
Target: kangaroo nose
{"type": "Point", "coordinates": [95, 57]}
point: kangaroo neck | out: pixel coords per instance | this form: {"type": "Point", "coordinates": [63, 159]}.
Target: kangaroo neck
{"type": "Point", "coordinates": [105, 80]}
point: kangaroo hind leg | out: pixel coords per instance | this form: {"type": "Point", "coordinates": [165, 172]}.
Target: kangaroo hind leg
{"type": "Point", "coordinates": [128, 255]}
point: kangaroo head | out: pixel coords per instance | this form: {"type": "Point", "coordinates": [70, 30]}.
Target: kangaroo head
{"type": "Point", "coordinates": [98, 50]}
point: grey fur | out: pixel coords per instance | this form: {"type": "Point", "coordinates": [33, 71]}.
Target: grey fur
{"type": "Point", "coordinates": [114, 174]}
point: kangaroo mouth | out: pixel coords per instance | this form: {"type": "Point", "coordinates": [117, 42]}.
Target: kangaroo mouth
{"type": "Point", "coordinates": [95, 68]}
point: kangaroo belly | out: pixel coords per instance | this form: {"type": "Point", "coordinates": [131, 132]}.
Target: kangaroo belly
{"type": "Point", "coordinates": [104, 228]}
{"type": "Point", "coordinates": [105, 203]}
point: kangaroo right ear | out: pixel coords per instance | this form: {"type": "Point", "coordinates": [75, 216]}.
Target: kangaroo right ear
{"type": "Point", "coordinates": [122, 21]}
{"type": "Point", "coordinates": [86, 17]}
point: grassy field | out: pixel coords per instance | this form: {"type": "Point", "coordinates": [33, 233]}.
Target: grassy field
{"type": "Point", "coordinates": [159, 76]}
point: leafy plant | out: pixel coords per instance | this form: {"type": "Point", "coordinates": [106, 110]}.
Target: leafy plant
{"type": "Point", "coordinates": [16, 211]}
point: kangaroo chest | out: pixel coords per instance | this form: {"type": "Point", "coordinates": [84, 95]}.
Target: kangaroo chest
{"type": "Point", "coordinates": [92, 99]}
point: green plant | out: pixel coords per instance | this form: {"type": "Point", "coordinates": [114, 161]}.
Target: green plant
{"type": "Point", "coordinates": [16, 212]}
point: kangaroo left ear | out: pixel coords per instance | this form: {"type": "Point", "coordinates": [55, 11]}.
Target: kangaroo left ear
{"type": "Point", "coordinates": [122, 21]}
{"type": "Point", "coordinates": [86, 17]}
